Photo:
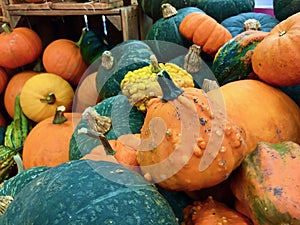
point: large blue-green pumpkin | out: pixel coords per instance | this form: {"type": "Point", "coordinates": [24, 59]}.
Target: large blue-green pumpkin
{"type": "Point", "coordinates": [125, 119]}
{"type": "Point", "coordinates": [285, 8]}
{"type": "Point", "coordinates": [89, 192]}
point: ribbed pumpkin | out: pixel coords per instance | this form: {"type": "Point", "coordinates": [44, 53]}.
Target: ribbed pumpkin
{"type": "Point", "coordinates": [86, 94]}
{"type": "Point", "coordinates": [19, 46]}
{"type": "Point", "coordinates": [285, 8]}
{"type": "Point", "coordinates": [3, 80]}
{"type": "Point", "coordinates": [63, 57]}
{"type": "Point", "coordinates": [278, 118]}
{"type": "Point", "coordinates": [47, 144]}
{"type": "Point", "coordinates": [14, 88]}
{"type": "Point", "coordinates": [89, 192]}
{"type": "Point", "coordinates": [187, 143]}
{"type": "Point", "coordinates": [204, 31]}
{"type": "Point", "coordinates": [233, 60]}
{"type": "Point", "coordinates": [42, 94]}
{"type": "Point", "coordinates": [211, 212]}
{"type": "Point", "coordinates": [267, 185]}
{"type": "Point", "coordinates": [249, 21]}
{"type": "Point", "coordinates": [276, 59]}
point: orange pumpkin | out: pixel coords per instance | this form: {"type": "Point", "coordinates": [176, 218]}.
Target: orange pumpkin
{"type": "Point", "coordinates": [211, 212]}
{"type": "Point", "coordinates": [14, 88]}
{"type": "Point", "coordinates": [276, 60]}
{"type": "Point", "coordinates": [123, 151]}
{"type": "Point", "coordinates": [262, 111]}
{"type": "Point", "coordinates": [47, 144]}
{"type": "Point", "coordinates": [3, 80]}
{"type": "Point", "coordinates": [204, 31]}
{"type": "Point", "coordinates": [63, 57]}
{"type": "Point", "coordinates": [3, 122]}
{"type": "Point", "coordinates": [86, 93]}
{"type": "Point", "coordinates": [42, 94]}
{"type": "Point", "coordinates": [187, 143]}
{"type": "Point", "coordinates": [19, 46]}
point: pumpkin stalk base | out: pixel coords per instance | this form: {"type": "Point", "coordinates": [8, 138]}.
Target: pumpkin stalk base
{"type": "Point", "coordinates": [59, 117]}
{"type": "Point", "coordinates": [192, 60]}
{"type": "Point", "coordinates": [168, 10]}
{"type": "Point", "coordinates": [50, 99]}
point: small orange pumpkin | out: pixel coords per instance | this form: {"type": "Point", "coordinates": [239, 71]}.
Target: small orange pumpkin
{"type": "Point", "coordinates": [86, 93]}
{"type": "Point", "coordinates": [42, 94]}
{"type": "Point", "coordinates": [47, 144]}
{"type": "Point", "coordinates": [276, 59]}
{"type": "Point", "coordinates": [3, 80]}
{"type": "Point", "coordinates": [14, 88]}
{"type": "Point", "coordinates": [63, 57]}
{"type": "Point", "coordinates": [204, 31]}
{"type": "Point", "coordinates": [19, 46]}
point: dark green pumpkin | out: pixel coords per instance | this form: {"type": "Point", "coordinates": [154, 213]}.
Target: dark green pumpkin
{"type": "Point", "coordinates": [293, 92]}
{"type": "Point", "coordinates": [233, 60]}
{"type": "Point", "coordinates": [89, 192]}
{"type": "Point", "coordinates": [266, 185]}
{"type": "Point", "coordinates": [218, 9]}
{"type": "Point", "coordinates": [15, 184]}
{"type": "Point", "coordinates": [165, 30]}
{"type": "Point", "coordinates": [235, 24]}
{"type": "Point", "coordinates": [125, 120]}
{"type": "Point", "coordinates": [93, 44]}
{"type": "Point", "coordinates": [285, 8]}
{"type": "Point", "coordinates": [2, 134]}
{"type": "Point", "coordinates": [127, 56]}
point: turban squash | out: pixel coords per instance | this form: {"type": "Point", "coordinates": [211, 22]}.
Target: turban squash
{"type": "Point", "coordinates": [186, 141]}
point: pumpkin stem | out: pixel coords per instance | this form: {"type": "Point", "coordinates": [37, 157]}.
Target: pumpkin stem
{"type": "Point", "coordinates": [155, 68]}
{"type": "Point", "coordinates": [97, 123]}
{"type": "Point", "coordinates": [19, 162]}
{"type": "Point", "coordinates": [107, 60]}
{"type": "Point", "coordinates": [79, 42]}
{"type": "Point", "coordinates": [252, 24]}
{"type": "Point", "coordinates": [50, 99]}
{"type": "Point", "coordinates": [59, 117]}
{"type": "Point", "coordinates": [209, 85]}
{"type": "Point", "coordinates": [6, 28]}
{"type": "Point", "coordinates": [4, 203]}
{"type": "Point", "coordinates": [107, 147]}
{"type": "Point", "coordinates": [168, 10]}
{"type": "Point", "coordinates": [192, 60]}
{"type": "Point", "coordinates": [169, 89]}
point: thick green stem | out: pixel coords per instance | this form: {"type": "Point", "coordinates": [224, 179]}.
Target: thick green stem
{"type": "Point", "coordinates": [169, 89]}
{"type": "Point", "coordinates": [107, 147]}
{"type": "Point", "coordinates": [6, 28]}
{"type": "Point", "coordinates": [19, 162]}
{"type": "Point", "coordinates": [78, 43]}
{"type": "Point", "coordinates": [59, 117]}
{"type": "Point", "coordinates": [155, 68]}
{"type": "Point", "coordinates": [50, 99]}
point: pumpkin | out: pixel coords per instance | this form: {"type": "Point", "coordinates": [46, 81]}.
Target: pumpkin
{"type": "Point", "coordinates": [63, 57]}
{"type": "Point", "coordinates": [19, 46]}
{"type": "Point", "coordinates": [7, 163]}
{"type": "Point", "coordinates": [233, 60]}
{"type": "Point", "coordinates": [267, 187]}
{"type": "Point", "coordinates": [285, 8]}
{"type": "Point", "coordinates": [293, 92]}
{"type": "Point", "coordinates": [86, 93]}
{"type": "Point", "coordinates": [279, 121]}
{"type": "Point", "coordinates": [249, 21]}
{"type": "Point", "coordinates": [278, 54]}
{"type": "Point", "coordinates": [218, 9]}
{"type": "Point", "coordinates": [13, 185]}
{"type": "Point", "coordinates": [114, 64]}
{"type": "Point", "coordinates": [113, 117]}
{"type": "Point", "coordinates": [42, 94]}
{"type": "Point", "coordinates": [164, 33]}
{"type": "Point", "coordinates": [211, 211]}
{"type": "Point", "coordinates": [184, 147]}
{"type": "Point", "coordinates": [3, 80]}
{"type": "Point", "coordinates": [140, 85]}
{"type": "Point", "coordinates": [14, 87]}
{"type": "Point", "coordinates": [93, 44]}
{"type": "Point", "coordinates": [122, 150]}
{"type": "Point", "coordinates": [2, 132]}
{"type": "Point", "coordinates": [125, 197]}
{"type": "Point", "coordinates": [204, 31]}
{"type": "Point", "coordinates": [54, 135]}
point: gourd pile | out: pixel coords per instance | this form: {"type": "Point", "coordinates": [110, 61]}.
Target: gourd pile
{"type": "Point", "coordinates": [197, 124]}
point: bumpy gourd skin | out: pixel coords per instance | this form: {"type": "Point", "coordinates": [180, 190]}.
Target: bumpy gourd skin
{"type": "Point", "coordinates": [141, 85]}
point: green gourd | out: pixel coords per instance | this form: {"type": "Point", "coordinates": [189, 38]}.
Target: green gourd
{"type": "Point", "coordinates": [89, 192]}
{"type": "Point", "coordinates": [124, 119]}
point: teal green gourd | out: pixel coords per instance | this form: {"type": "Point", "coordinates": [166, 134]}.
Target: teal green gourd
{"type": "Point", "coordinates": [89, 192]}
